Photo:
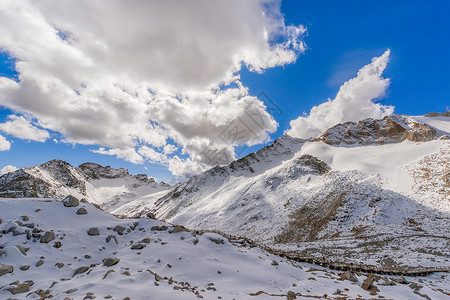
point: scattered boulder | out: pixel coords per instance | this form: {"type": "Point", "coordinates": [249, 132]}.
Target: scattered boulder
{"type": "Point", "coordinates": [274, 263]}
{"type": "Point", "coordinates": [81, 211]}
{"type": "Point", "coordinates": [119, 229]}
{"type": "Point", "coordinates": [21, 250]}
{"type": "Point", "coordinates": [19, 288]}
{"type": "Point", "coordinates": [39, 263]}
{"type": "Point", "coordinates": [151, 216]}
{"type": "Point", "coordinates": [48, 237]}
{"type": "Point", "coordinates": [80, 270]}
{"type": "Point", "coordinates": [401, 280]}
{"type": "Point", "coordinates": [138, 246]}
{"type": "Point", "coordinates": [349, 276]}
{"type": "Point", "coordinates": [57, 245]}
{"type": "Point", "coordinates": [146, 240]}
{"type": "Point", "coordinates": [291, 295]}
{"type": "Point", "coordinates": [25, 218]}
{"type": "Point", "coordinates": [93, 231]}
{"type": "Point", "coordinates": [71, 201]}
{"type": "Point", "coordinates": [159, 228]}
{"type": "Point", "coordinates": [5, 269]}
{"type": "Point", "coordinates": [24, 268]}
{"type": "Point", "coordinates": [178, 228]}
{"type": "Point", "coordinates": [59, 265]}
{"type": "Point", "coordinates": [112, 237]}
{"type": "Point", "coordinates": [111, 261]}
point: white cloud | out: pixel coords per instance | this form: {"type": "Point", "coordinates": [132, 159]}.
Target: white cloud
{"type": "Point", "coordinates": [7, 169]}
{"type": "Point", "coordinates": [354, 102]}
{"type": "Point", "coordinates": [22, 128]}
{"type": "Point", "coordinates": [4, 144]}
{"type": "Point", "coordinates": [93, 85]}
{"type": "Point", "coordinates": [125, 154]}
{"type": "Point", "coordinates": [184, 168]}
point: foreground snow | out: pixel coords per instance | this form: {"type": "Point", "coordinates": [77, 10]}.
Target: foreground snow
{"type": "Point", "coordinates": [178, 265]}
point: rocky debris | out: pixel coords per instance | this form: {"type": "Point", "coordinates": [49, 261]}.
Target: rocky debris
{"type": "Point", "coordinates": [138, 246]}
{"type": "Point", "coordinates": [93, 231]}
{"type": "Point", "coordinates": [71, 201]}
{"type": "Point", "coordinates": [81, 211]}
{"type": "Point", "coordinates": [59, 265]}
{"type": "Point", "coordinates": [146, 241]}
{"type": "Point", "coordinates": [159, 228]}
{"type": "Point", "coordinates": [274, 263]}
{"type": "Point", "coordinates": [348, 275]}
{"type": "Point", "coordinates": [368, 284]}
{"type": "Point", "coordinates": [47, 237]}
{"type": "Point", "coordinates": [400, 280]}
{"type": "Point", "coordinates": [39, 263]}
{"type": "Point", "coordinates": [112, 237]}
{"type": "Point", "coordinates": [291, 295]}
{"type": "Point", "coordinates": [89, 295]}
{"type": "Point", "coordinates": [24, 267]}
{"type": "Point", "coordinates": [435, 114]}
{"type": "Point", "coordinates": [5, 269]}
{"type": "Point", "coordinates": [57, 245]}
{"type": "Point", "coordinates": [119, 229]}
{"type": "Point", "coordinates": [148, 215]}
{"type": "Point", "coordinates": [19, 288]}
{"type": "Point", "coordinates": [179, 228]}
{"type": "Point", "coordinates": [80, 270]}
{"type": "Point", "coordinates": [216, 240]}
{"type": "Point", "coordinates": [111, 261]}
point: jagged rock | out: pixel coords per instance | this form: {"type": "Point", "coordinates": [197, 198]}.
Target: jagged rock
{"type": "Point", "coordinates": [137, 247]}
{"type": "Point", "coordinates": [149, 215]}
{"type": "Point", "coordinates": [19, 288]}
{"type": "Point", "coordinates": [111, 261]}
{"type": "Point", "coordinates": [39, 263]}
{"type": "Point", "coordinates": [179, 228]}
{"type": "Point", "coordinates": [93, 231]}
{"type": "Point", "coordinates": [24, 268]}
{"type": "Point", "coordinates": [350, 276]}
{"type": "Point", "coordinates": [21, 250]}
{"type": "Point", "coordinates": [274, 263]}
{"type": "Point", "coordinates": [71, 201]}
{"type": "Point", "coordinates": [112, 237]}
{"type": "Point", "coordinates": [47, 237]}
{"type": "Point", "coordinates": [5, 269]}
{"type": "Point", "coordinates": [81, 211]}
{"type": "Point", "coordinates": [119, 229]}
{"type": "Point", "coordinates": [291, 295]}
{"type": "Point", "coordinates": [57, 245]}
{"type": "Point", "coordinates": [80, 270]}
{"type": "Point", "coordinates": [369, 286]}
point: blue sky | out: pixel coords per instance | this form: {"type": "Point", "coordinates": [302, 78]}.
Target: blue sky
{"type": "Point", "coordinates": [342, 37]}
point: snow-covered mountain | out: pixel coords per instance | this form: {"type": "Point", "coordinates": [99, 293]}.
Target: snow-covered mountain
{"type": "Point", "coordinates": [360, 193]}
{"type": "Point", "coordinates": [104, 186]}
{"type": "Point", "coordinates": [375, 192]}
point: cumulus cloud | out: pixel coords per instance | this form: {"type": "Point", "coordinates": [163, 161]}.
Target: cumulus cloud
{"type": "Point", "coordinates": [4, 144]}
{"type": "Point", "coordinates": [131, 74]}
{"type": "Point", "coordinates": [354, 101]}
{"type": "Point", "coordinates": [7, 169]}
{"type": "Point", "coordinates": [21, 128]}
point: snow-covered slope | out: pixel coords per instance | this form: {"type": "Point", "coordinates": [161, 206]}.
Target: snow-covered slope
{"type": "Point", "coordinates": [104, 186]}
{"type": "Point", "coordinates": [46, 252]}
{"type": "Point", "coordinates": [358, 200]}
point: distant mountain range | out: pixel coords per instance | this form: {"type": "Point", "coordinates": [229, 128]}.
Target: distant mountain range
{"type": "Point", "coordinates": [372, 192]}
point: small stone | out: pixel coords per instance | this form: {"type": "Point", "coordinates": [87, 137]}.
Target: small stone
{"type": "Point", "coordinates": [112, 237]}
{"type": "Point", "coordinates": [21, 250]}
{"type": "Point", "coordinates": [24, 268]}
{"type": "Point", "coordinates": [119, 229]}
{"type": "Point", "coordinates": [350, 276]}
{"type": "Point", "coordinates": [5, 269]}
{"type": "Point", "coordinates": [291, 295]}
{"type": "Point", "coordinates": [81, 211]}
{"type": "Point", "coordinates": [146, 241]}
{"type": "Point", "coordinates": [59, 265]}
{"type": "Point", "coordinates": [20, 288]}
{"type": "Point", "coordinates": [48, 237]}
{"type": "Point", "coordinates": [39, 263]}
{"type": "Point", "coordinates": [274, 263]}
{"type": "Point", "coordinates": [178, 228]}
{"type": "Point", "coordinates": [401, 280]}
{"type": "Point", "coordinates": [87, 256]}
{"type": "Point", "coordinates": [93, 231]}
{"type": "Point", "coordinates": [111, 261]}
{"type": "Point", "coordinates": [57, 245]}
{"type": "Point", "coordinates": [25, 218]}
{"type": "Point", "coordinates": [80, 270]}
{"type": "Point", "coordinates": [126, 273]}
{"type": "Point", "coordinates": [137, 247]}
{"type": "Point", "coordinates": [159, 228]}
{"type": "Point", "coordinates": [71, 201]}
{"type": "Point", "coordinates": [151, 216]}
{"type": "Point", "coordinates": [37, 210]}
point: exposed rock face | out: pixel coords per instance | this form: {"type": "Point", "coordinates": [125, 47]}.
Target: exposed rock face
{"type": "Point", "coordinates": [391, 129]}
{"type": "Point", "coordinates": [435, 114]}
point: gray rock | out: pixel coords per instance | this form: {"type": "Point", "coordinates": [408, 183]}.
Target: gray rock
{"type": "Point", "coordinates": [151, 216]}
{"type": "Point", "coordinates": [82, 211]}
{"type": "Point", "coordinates": [39, 263]}
{"type": "Point", "coordinates": [21, 250]}
{"type": "Point", "coordinates": [274, 263]}
{"type": "Point", "coordinates": [137, 247]}
{"type": "Point", "coordinates": [19, 288]}
{"type": "Point", "coordinates": [71, 201]}
{"type": "Point", "coordinates": [80, 270]}
{"type": "Point", "coordinates": [48, 237]}
{"type": "Point", "coordinates": [93, 231]}
{"type": "Point", "coordinates": [350, 276]}
{"type": "Point", "coordinates": [24, 268]}
{"type": "Point", "coordinates": [111, 261]}
{"type": "Point", "coordinates": [146, 240]}
{"type": "Point", "coordinates": [112, 237]}
{"type": "Point", "coordinates": [119, 229]}
{"type": "Point", "coordinates": [25, 218]}
{"type": "Point", "coordinates": [59, 265]}
{"type": "Point", "coordinates": [5, 269]}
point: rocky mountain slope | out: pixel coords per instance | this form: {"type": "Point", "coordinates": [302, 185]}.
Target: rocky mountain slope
{"type": "Point", "coordinates": [104, 186]}
{"type": "Point", "coordinates": [71, 250]}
